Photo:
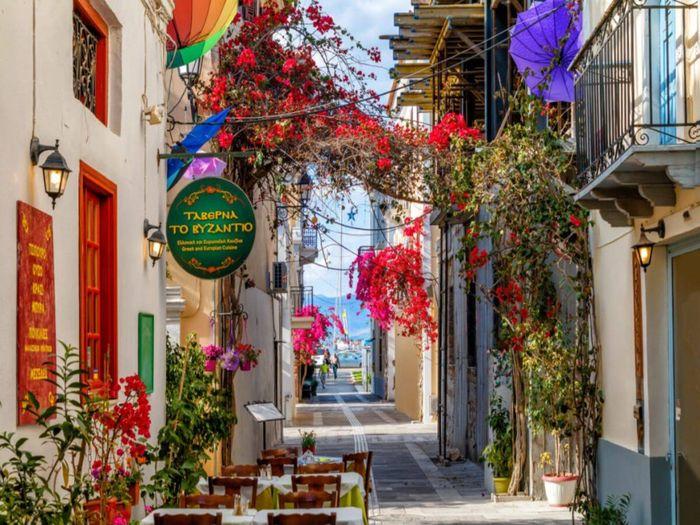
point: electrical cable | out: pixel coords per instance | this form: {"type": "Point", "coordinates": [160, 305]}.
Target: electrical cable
{"type": "Point", "coordinates": [332, 105]}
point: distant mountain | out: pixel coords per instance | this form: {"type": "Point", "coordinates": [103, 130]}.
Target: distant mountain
{"type": "Point", "coordinates": [357, 318]}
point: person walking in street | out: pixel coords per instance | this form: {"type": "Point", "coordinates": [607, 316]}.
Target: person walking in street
{"type": "Point", "coordinates": [335, 363]}
{"type": "Point", "coordinates": [325, 368]}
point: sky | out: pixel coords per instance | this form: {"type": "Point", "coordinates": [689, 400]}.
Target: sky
{"type": "Point", "coordinates": [366, 20]}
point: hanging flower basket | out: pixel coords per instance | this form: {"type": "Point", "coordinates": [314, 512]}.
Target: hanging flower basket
{"type": "Point", "coordinates": [246, 366]}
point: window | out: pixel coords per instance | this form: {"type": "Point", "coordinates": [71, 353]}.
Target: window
{"type": "Point", "coordinates": [98, 274]}
{"type": "Point", "coordinates": [90, 38]}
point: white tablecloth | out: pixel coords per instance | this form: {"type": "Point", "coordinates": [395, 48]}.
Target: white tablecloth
{"type": "Point", "coordinates": [228, 515]}
{"type": "Point", "coordinates": [344, 515]}
{"type": "Point", "coordinates": [263, 483]}
{"type": "Point", "coordinates": [348, 480]}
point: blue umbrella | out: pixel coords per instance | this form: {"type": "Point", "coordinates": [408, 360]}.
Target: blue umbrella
{"type": "Point", "coordinates": [195, 139]}
{"type": "Point", "coordinates": [538, 48]}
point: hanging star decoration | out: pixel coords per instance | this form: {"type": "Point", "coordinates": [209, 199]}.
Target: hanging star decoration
{"type": "Point", "coordinates": [352, 214]}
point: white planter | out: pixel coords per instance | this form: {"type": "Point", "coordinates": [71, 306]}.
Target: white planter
{"type": "Point", "coordinates": [560, 490]}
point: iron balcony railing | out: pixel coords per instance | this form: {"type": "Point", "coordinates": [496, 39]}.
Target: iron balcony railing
{"type": "Point", "coordinates": [633, 82]}
{"type": "Point", "coordinates": [309, 238]}
{"type": "Point", "coordinates": [301, 296]}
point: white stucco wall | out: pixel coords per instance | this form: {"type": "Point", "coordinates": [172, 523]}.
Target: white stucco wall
{"type": "Point", "coordinates": [124, 151]}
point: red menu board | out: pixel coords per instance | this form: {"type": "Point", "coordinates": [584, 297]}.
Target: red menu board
{"type": "Point", "coordinates": [36, 310]}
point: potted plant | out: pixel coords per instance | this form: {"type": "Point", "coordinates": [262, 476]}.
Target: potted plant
{"type": "Point", "coordinates": [499, 453]}
{"type": "Point", "coordinates": [213, 353]}
{"type": "Point", "coordinates": [547, 360]}
{"type": "Point", "coordinates": [248, 356]}
{"type": "Point", "coordinates": [308, 441]}
{"type": "Point", "coordinates": [117, 448]}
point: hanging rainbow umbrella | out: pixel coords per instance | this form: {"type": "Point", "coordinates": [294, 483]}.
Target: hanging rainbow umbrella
{"type": "Point", "coordinates": [197, 25]}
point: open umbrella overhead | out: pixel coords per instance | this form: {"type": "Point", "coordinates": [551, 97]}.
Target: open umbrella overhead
{"type": "Point", "coordinates": [543, 43]}
{"type": "Point", "coordinates": [195, 139]}
{"type": "Point", "coordinates": [196, 26]}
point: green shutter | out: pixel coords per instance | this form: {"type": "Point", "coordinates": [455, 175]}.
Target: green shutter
{"type": "Point", "coordinates": [146, 345]}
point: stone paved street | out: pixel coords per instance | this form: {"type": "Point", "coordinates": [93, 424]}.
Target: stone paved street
{"type": "Point", "coordinates": [409, 486]}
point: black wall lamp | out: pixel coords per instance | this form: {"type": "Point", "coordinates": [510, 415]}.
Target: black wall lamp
{"type": "Point", "coordinates": [644, 247]}
{"type": "Point", "coordinates": [156, 240]}
{"type": "Point", "coordinates": [189, 74]}
{"type": "Point", "coordinates": [55, 169]}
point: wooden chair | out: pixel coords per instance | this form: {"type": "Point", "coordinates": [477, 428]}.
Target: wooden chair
{"type": "Point", "coordinates": [277, 464]}
{"type": "Point", "coordinates": [308, 499]}
{"type": "Point", "coordinates": [320, 468]}
{"type": "Point", "coordinates": [318, 484]}
{"type": "Point", "coordinates": [360, 462]}
{"type": "Point", "coordinates": [279, 452]}
{"type": "Point", "coordinates": [301, 519]}
{"type": "Point", "coordinates": [205, 501]}
{"type": "Point", "coordinates": [187, 519]}
{"type": "Point", "coordinates": [233, 486]}
{"type": "Point", "coordinates": [242, 471]}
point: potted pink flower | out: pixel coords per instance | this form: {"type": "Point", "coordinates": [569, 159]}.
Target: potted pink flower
{"type": "Point", "coordinates": [213, 353]}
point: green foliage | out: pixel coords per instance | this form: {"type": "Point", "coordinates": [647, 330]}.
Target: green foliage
{"type": "Point", "coordinates": [49, 489]}
{"type": "Point", "coordinates": [614, 512]}
{"type": "Point", "coordinates": [499, 453]}
{"type": "Point", "coordinates": [197, 418]}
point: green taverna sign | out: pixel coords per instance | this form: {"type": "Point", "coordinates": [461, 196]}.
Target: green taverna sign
{"type": "Point", "coordinates": [211, 228]}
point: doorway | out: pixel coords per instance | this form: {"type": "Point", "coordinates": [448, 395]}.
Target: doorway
{"type": "Point", "coordinates": [684, 384]}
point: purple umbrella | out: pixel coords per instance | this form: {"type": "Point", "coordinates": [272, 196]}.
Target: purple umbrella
{"type": "Point", "coordinates": [204, 167]}
{"type": "Point", "coordinates": [544, 36]}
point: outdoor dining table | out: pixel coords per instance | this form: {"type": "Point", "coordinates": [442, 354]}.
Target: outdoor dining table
{"type": "Point", "coordinates": [344, 515]}
{"type": "Point", "coordinates": [266, 498]}
{"type": "Point", "coordinates": [228, 516]}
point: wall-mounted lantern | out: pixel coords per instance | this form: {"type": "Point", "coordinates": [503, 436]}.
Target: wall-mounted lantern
{"type": "Point", "coordinates": [156, 240]}
{"type": "Point", "coordinates": [55, 169]}
{"type": "Point", "coordinates": [644, 247]}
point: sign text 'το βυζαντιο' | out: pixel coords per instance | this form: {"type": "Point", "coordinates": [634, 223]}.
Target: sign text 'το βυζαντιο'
{"type": "Point", "coordinates": [211, 228]}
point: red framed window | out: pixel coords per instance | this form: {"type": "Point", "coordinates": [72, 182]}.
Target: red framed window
{"type": "Point", "coordinates": [90, 67]}
{"type": "Point", "coordinates": [98, 274]}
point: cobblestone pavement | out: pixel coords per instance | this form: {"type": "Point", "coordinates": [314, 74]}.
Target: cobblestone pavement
{"type": "Point", "coordinates": [410, 487]}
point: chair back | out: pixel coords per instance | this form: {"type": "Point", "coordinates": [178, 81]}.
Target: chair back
{"type": "Point", "coordinates": [301, 519]}
{"type": "Point", "coordinates": [360, 462]}
{"type": "Point", "coordinates": [320, 468]}
{"type": "Point", "coordinates": [307, 499]}
{"type": "Point", "coordinates": [277, 464]}
{"type": "Point", "coordinates": [279, 452]}
{"type": "Point", "coordinates": [206, 501]}
{"type": "Point", "coordinates": [233, 486]}
{"type": "Point", "coordinates": [187, 519]}
{"type": "Point", "coordinates": [328, 484]}
{"type": "Point", "coordinates": [240, 471]}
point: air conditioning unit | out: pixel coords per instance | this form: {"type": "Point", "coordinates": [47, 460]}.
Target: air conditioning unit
{"type": "Point", "coordinates": [278, 282]}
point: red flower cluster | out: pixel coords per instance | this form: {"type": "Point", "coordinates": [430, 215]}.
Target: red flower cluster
{"type": "Point", "coordinates": [391, 285]}
{"type": "Point", "coordinates": [451, 126]}
{"type": "Point", "coordinates": [307, 341]}
{"type": "Point", "coordinates": [477, 259]}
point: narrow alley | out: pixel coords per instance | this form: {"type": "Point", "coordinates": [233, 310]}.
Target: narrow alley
{"type": "Point", "coordinates": [409, 487]}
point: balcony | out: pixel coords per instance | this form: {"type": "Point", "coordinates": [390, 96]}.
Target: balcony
{"type": "Point", "coordinates": [300, 296]}
{"type": "Point", "coordinates": [306, 238]}
{"type": "Point", "coordinates": [636, 121]}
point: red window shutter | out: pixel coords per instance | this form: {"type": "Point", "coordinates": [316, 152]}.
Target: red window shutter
{"type": "Point", "coordinates": [98, 274]}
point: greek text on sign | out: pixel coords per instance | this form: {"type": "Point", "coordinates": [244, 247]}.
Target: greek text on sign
{"type": "Point", "coordinates": [211, 228]}
{"type": "Point", "coordinates": [36, 310]}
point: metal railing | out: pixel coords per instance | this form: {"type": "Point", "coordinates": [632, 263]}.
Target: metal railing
{"type": "Point", "coordinates": [632, 83]}
{"type": "Point", "coordinates": [309, 238]}
{"type": "Point", "coordinates": [301, 296]}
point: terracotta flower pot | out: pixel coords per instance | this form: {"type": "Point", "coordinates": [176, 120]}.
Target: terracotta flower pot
{"type": "Point", "coordinates": [311, 449]}
{"type": "Point", "coordinates": [93, 511]}
{"type": "Point", "coordinates": [560, 490]}
{"type": "Point", "coordinates": [500, 485]}
{"type": "Point", "coordinates": [210, 365]}
{"type": "Point", "coordinates": [135, 493]}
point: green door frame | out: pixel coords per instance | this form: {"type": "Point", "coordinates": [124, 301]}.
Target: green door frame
{"type": "Point", "coordinates": [673, 251]}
